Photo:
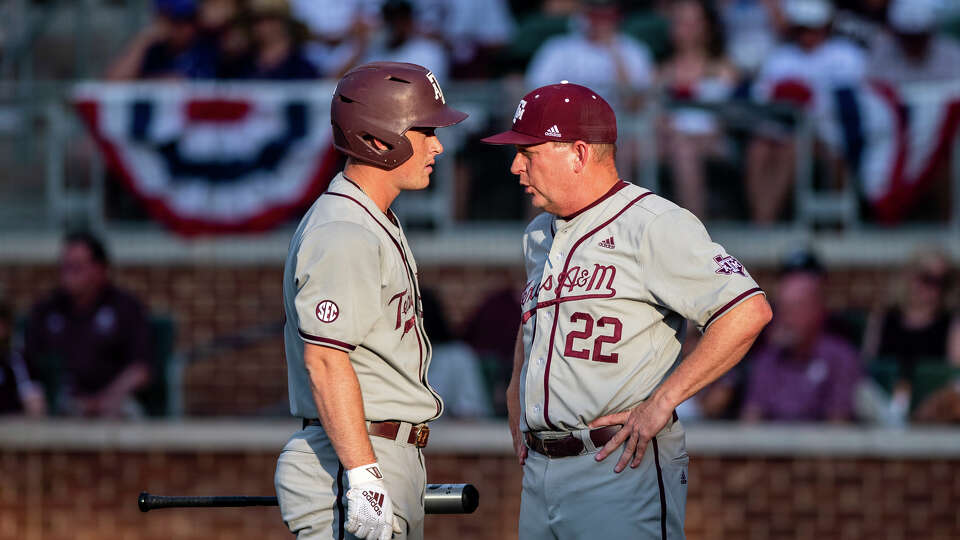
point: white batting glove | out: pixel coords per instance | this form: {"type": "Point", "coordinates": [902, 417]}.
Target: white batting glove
{"type": "Point", "coordinates": [369, 508]}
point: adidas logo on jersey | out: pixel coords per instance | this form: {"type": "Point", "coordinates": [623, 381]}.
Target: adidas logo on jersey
{"type": "Point", "coordinates": [608, 243]}
{"type": "Point", "coordinates": [554, 131]}
{"type": "Point", "coordinates": [683, 478]}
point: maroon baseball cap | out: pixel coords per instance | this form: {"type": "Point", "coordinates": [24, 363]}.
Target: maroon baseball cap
{"type": "Point", "coordinates": [562, 112]}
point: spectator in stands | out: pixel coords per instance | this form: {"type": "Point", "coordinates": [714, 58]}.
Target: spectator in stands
{"type": "Point", "coordinates": [455, 371]}
{"type": "Point", "coordinates": [913, 51]}
{"type": "Point", "coordinates": [751, 28]}
{"type": "Point", "coordinates": [944, 405]}
{"type": "Point", "coordinates": [696, 71]}
{"type": "Point", "coordinates": [537, 26]}
{"type": "Point", "coordinates": [492, 331]}
{"type": "Point", "coordinates": [598, 56]}
{"type": "Point", "coordinates": [916, 328]}
{"type": "Point", "coordinates": [801, 372]}
{"type": "Point", "coordinates": [475, 33]}
{"type": "Point", "coordinates": [225, 25]}
{"type": "Point", "coordinates": [277, 43]}
{"type": "Point", "coordinates": [400, 42]}
{"type": "Point", "coordinates": [803, 72]}
{"type": "Point", "coordinates": [88, 343]}
{"type": "Point", "coordinates": [170, 47]}
{"type": "Point", "coordinates": [338, 32]}
{"type": "Point", "coordinates": [17, 393]}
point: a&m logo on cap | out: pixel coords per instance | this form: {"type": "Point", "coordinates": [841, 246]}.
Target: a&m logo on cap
{"type": "Point", "coordinates": [327, 311]}
{"type": "Point", "coordinates": [520, 108]}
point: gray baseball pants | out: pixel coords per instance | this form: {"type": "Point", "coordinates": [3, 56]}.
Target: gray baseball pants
{"type": "Point", "coordinates": [311, 485]}
{"type": "Point", "coordinates": [578, 497]}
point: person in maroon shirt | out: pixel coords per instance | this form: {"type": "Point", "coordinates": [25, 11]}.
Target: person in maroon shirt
{"type": "Point", "coordinates": [802, 372]}
{"type": "Point", "coordinates": [88, 341]}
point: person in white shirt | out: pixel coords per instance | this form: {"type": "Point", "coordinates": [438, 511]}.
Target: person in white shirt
{"type": "Point", "coordinates": [400, 42]}
{"type": "Point", "coordinates": [472, 30]}
{"type": "Point", "coordinates": [803, 71]}
{"type": "Point", "coordinates": [599, 56]}
{"type": "Point", "coordinates": [913, 51]}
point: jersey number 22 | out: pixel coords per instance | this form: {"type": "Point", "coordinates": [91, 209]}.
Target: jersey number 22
{"type": "Point", "coordinates": [587, 333]}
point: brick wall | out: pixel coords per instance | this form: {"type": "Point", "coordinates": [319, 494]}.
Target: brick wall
{"type": "Point", "coordinates": [90, 495]}
{"type": "Point", "coordinates": [223, 304]}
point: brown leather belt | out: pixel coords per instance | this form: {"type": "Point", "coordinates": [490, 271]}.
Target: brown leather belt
{"type": "Point", "coordinates": [389, 430]}
{"type": "Point", "coordinates": [568, 445]}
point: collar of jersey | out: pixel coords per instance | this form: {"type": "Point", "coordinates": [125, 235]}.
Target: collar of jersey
{"type": "Point", "coordinates": [563, 221]}
{"type": "Point", "coordinates": [345, 186]}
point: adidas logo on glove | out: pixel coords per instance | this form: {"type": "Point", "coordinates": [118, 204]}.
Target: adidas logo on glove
{"type": "Point", "coordinates": [375, 500]}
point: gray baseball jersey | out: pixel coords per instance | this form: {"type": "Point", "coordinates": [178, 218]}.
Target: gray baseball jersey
{"type": "Point", "coordinates": [350, 283]}
{"type": "Point", "coordinates": [607, 295]}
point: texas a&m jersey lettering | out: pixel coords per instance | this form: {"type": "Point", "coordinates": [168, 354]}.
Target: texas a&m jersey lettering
{"type": "Point", "coordinates": [404, 304]}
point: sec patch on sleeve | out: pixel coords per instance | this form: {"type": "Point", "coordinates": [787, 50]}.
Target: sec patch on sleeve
{"type": "Point", "coordinates": [728, 265]}
{"type": "Point", "coordinates": [327, 311]}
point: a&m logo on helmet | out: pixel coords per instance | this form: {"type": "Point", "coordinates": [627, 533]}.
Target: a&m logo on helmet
{"type": "Point", "coordinates": [728, 265]}
{"type": "Point", "coordinates": [437, 92]}
{"type": "Point", "coordinates": [520, 108]}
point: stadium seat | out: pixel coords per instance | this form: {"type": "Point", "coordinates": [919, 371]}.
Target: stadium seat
{"type": "Point", "coordinates": [532, 31]}
{"type": "Point", "coordinates": [885, 371]}
{"type": "Point", "coordinates": [652, 29]}
{"type": "Point", "coordinates": [156, 398]}
{"type": "Point", "coordinates": [930, 375]}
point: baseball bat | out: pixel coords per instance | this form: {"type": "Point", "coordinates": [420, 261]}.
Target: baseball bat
{"type": "Point", "coordinates": [438, 499]}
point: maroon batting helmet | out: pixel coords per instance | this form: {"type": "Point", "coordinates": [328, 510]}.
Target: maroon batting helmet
{"type": "Point", "coordinates": [382, 100]}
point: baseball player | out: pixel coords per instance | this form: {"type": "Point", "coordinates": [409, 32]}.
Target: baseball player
{"type": "Point", "coordinates": [357, 356]}
{"type": "Point", "coordinates": [613, 272]}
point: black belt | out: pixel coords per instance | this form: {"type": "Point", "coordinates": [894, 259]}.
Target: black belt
{"type": "Point", "coordinates": [388, 430]}
{"type": "Point", "coordinates": [568, 445]}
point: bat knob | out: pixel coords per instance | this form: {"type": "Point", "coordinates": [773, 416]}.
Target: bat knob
{"type": "Point", "coordinates": [142, 501]}
{"type": "Point", "coordinates": [471, 498]}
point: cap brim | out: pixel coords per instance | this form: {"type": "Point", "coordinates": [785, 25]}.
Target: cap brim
{"type": "Point", "coordinates": [447, 116]}
{"type": "Point", "coordinates": [512, 137]}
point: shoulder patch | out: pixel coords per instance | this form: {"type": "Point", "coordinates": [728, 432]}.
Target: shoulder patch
{"type": "Point", "coordinates": [728, 265]}
{"type": "Point", "coordinates": [327, 311]}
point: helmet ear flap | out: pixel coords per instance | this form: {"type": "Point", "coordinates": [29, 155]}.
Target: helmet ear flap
{"type": "Point", "coordinates": [361, 145]}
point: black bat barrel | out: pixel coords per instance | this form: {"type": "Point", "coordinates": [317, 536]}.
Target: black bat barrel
{"type": "Point", "coordinates": [148, 502]}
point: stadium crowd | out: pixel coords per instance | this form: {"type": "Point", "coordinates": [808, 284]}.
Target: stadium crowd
{"type": "Point", "coordinates": [827, 59]}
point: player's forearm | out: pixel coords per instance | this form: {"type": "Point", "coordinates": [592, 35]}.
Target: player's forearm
{"type": "Point", "coordinates": [336, 391]}
{"type": "Point", "coordinates": [723, 345]}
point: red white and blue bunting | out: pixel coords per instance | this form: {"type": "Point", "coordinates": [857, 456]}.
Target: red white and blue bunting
{"type": "Point", "coordinates": [208, 158]}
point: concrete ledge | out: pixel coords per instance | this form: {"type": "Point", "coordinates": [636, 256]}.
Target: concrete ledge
{"type": "Point", "coordinates": [482, 437]}
{"type": "Point", "coordinates": [483, 245]}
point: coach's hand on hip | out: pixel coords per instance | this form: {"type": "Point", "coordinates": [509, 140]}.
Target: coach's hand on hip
{"type": "Point", "coordinates": [640, 424]}
{"type": "Point", "coordinates": [369, 508]}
